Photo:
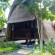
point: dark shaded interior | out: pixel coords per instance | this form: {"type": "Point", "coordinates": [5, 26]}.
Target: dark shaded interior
{"type": "Point", "coordinates": [24, 30]}
{"type": "Point", "coordinates": [25, 25]}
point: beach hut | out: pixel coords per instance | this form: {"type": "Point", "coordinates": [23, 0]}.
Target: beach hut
{"type": "Point", "coordinates": [21, 25]}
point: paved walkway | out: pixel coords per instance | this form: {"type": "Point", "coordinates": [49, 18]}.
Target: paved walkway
{"type": "Point", "coordinates": [2, 36]}
{"type": "Point", "coordinates": [23, 52]}
{"type": "Point", "coordinates": [17, 54]}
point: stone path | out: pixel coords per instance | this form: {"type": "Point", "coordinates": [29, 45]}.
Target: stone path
{"type": "Point", "coordinates": [2, 34]}
{"type": "Point", "coordinates": [23, 52]}
{"type": "Point", "coordinates": [17, 54]}
{"type": "Point", "coordinates": [2, 38]}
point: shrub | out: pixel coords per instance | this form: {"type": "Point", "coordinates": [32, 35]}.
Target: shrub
{"type": "Point", "coordinates": [48, 49]}
{"type": "Point", "coordinates": [9, 46]}
{"type": "Point", "coordinates": [51, 46]}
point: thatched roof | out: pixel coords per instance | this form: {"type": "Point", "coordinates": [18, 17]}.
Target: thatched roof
{"type": "Point", "coordinates": [19, 15]}
{"type": "Point", "coordinates": [49, 31]}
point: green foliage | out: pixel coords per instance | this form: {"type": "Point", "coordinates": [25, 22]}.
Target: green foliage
{"type": "Point", "coordinates": [52, 9]}
{"type": "Point", "coordinates": [39, 1]}
{"type": "Point", "coordinates": [6, 49]}
{"type": "Point", "coordinates": [45, 54]}
{"type": "Point", "coordinates": [9, 46]}
{"type": "Point", "coordinates": [2, 22]}
{"type": "Point", "coordinates": [33, 6]}
{"type": "Point", "coordinates": [15, 45]}
{"type": "Point", "coordinates": [44, 13]}
{"type": "Point", "coordinates": [3, 5]}
{"type": "Point", "coordinates": [31, 9]}
{"type": "Point", "coordinates": [46, 3]}
{"type": "Point", "coordinates": [12, 44]}
{"type": "Point", "coordinates": [51, 46]}
{"type": "Point", "coordinates": [4, 0]}
{"type": "Point", "coordinates": [50, 4]}
{"type": "Point", "coordinates": [49, 49]}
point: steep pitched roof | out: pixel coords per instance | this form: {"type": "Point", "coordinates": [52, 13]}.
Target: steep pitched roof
{"type": "Point", "coordinates": [18, 14]}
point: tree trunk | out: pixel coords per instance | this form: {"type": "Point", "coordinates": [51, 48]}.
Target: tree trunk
{"type": "Point", "coordinates": [41, 31]}
{"type": "Point", "coordinates": [40, 28]}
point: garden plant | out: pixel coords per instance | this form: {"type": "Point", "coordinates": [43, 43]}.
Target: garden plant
{"type": "Point", "coordinates": [48, 49]}
{"type": "Point", "coordinates": [6, 47]}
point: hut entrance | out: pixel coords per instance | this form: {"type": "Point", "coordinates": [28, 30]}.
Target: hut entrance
{"type": "Point", "coordinates": [24, 30]}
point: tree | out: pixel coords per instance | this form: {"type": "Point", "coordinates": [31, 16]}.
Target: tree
{"type": "Point", "coordinates": [3, 5]}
